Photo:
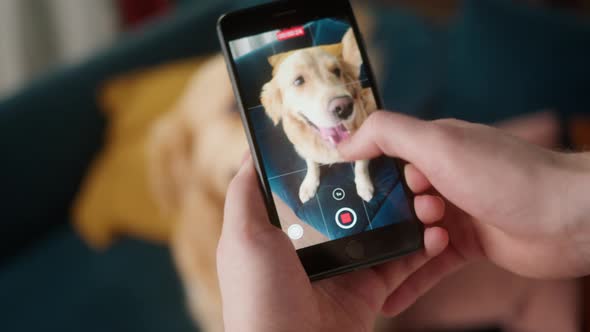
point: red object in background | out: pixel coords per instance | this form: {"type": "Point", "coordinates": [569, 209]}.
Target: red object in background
{"type": "Point", "coordinates": [136, 12]}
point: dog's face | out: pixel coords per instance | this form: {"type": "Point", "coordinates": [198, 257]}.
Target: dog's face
{"type": "Point", "coordinates": [316, 87]}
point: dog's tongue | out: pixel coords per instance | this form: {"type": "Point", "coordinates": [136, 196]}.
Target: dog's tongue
{"type": "Point", "coordinates": [334, 135]}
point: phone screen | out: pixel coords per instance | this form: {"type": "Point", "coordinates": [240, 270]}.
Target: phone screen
{"type": "Point", "coordinates": [305, 89]}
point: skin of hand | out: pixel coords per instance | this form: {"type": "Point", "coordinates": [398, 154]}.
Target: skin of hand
{"type": "Point", "coordinates": [523, 207]}
{"type": "Point", "coordinates": [265, 288]}
{"type": "Point", "coordinates": [509, 192]}
{"type": "Point", "coordinates": [541, 128]}
{"type": "Point", "coordinates": [513, 302]}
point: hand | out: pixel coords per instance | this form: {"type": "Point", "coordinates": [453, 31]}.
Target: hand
{"type": "Point", "coordinates": [265, 288]}
{"type": "Point", "coordinates": [541, 128]}
{"type": "Point", "coordinates": [523, 207]}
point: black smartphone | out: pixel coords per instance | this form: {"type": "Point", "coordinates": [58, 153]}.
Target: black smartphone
{"type": "Point", "coordinates": [303, 82]}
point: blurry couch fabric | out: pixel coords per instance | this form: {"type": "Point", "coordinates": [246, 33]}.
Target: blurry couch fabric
{"type": "Point", "coordinates": [496, 59]}
{"type": "Point", "coordinates": [505, 58]}
{"type": "Point", "coordinates": [59, 285]}
{"type": "Point", "coordinates": [49, 134]}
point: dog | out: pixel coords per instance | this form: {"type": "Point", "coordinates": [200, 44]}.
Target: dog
{"type": "Point", "coordinates": [317, 96]}
{"type": "Point", "coordinates": [194, 152]}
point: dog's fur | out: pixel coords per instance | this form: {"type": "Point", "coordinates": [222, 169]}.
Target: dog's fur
{"type": "Point", "coordinates": [305, 82]}
{"type": "Point", "coordinates": [194, 151]}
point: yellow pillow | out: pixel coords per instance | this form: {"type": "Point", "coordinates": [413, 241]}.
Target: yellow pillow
{"type": "Point", "coordinates": [115, 199]}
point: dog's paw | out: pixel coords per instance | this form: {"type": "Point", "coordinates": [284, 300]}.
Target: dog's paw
{"type": "Point", "coordinates": [365, 190]}
{"type": "Point", "coordinates": [308, 189]}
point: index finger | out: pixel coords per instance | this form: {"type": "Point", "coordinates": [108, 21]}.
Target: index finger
{"type": "Point", "coordinates": [395, 135]}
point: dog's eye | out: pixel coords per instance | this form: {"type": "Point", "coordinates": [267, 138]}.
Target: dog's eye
{"type": "Point", "coordinates": [298, 81]}
{"type": "Point", "coordinates": [337, 71]}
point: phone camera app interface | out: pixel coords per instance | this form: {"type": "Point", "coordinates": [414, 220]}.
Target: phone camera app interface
{"type": "Point", "coordinates": [305, 90]}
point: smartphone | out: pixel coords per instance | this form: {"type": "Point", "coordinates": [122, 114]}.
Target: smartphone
{"type": "Point", "coordinates": [303, 82]}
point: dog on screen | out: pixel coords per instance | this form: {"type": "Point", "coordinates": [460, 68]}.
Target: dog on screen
{"type": "Point", "coordinates": [316, 94]}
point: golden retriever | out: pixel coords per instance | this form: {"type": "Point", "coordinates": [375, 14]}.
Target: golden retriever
{"type": "Point", "coordinates": [319, 100]}
{"type": "Point", "coordinates": [194, 151]}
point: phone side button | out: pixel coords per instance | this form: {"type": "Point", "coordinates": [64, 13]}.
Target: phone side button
{"type": "Point", "coordinates": [355, 250]}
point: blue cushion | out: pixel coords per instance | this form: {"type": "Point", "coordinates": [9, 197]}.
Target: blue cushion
{"type": "Point", "coordinates": [497, 59]}
{"type": "Point", "coordinates": [411, 60]}
{"type": "Point", "coordinates": [59, 284]}
{"type": "Point", "coordinates": [506, 58]}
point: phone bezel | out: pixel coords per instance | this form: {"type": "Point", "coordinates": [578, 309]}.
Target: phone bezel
{"type": "Point", "coordinates": [328, 258]}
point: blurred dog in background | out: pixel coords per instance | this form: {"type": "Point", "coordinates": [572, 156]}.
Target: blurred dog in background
{"type": "Point", "coordinates": [194, 151]}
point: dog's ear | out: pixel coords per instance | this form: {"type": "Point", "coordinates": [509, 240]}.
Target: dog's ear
{"type": "Point", "coordinates": [351, 55]}
{"type": "Point", "coordinates": [272, 101]}
{"type": "Point", "coordinates": [169, 160]}
{"type": "Point", "coordinates": [276, 59]}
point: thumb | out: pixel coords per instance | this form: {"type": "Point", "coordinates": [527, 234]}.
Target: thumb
{"type": "Point", "coordinates": [245, 212]}
{"type": "Point", "coordinates": [395, 135]}
{"type": "Point", "coordinates": [256, 262]}
{"type": "Point", "coordinates": [247, 234]}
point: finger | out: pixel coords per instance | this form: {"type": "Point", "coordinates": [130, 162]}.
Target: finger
{"type": "Point", "coordinates": [421, 281]}
{"type": "Point", "coordinates": [417, 182]}
{"type": "Point", "coordinates": [436, 239]}
{"type": "Point", "coordinates": [245, 157]}
{"type": "Point", "coordinates": [255, 260]}
{"type": "Point", "coordinates": [374, 285]}
{"type": "Point", "coordinates": [247, 234]}
{"type": "Point", "coordinates": [392, 134]}
{"type": "Point", "coordinates": [429, 208]}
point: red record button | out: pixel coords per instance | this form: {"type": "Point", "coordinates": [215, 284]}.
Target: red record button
{"type": "Point", "coordinates": [345, 218]}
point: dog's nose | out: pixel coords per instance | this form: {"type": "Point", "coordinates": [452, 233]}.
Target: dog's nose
{"type": "Point", "coordinates": [341, 106]}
